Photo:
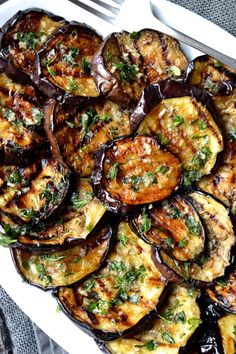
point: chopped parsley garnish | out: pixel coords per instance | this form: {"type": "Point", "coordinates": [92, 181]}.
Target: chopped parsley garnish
{"type": "Point", "coordinates": [117, 266]}
{"type": "Point", "coordinates": [232, 134]}
{"type": "Point", "coordinates": [99, 307]}
{"type": "Point", "coordinates": [128, 72]}
{"type": "Point", "coordinates": [42, 274]}
{"type": "Point", "coordinates": [201, 124]}
{"type": "Point", "coordinates": [162, 169]}
{"type": "Point", "coordinates": [192, 225]}
{"type": "Point", "coordinates": [86, 66]}
{"type": "Point", "coordinates": [47, 63]}
{"type": "Point", "coordinates": [193, 322]}
{"type": "Point", "coordinates": [89, 284]}
{"type": "Point", "coordinates": [70, 57]}
{"type": "Point", "coordinates": [183, 243]}
{"type": "Point", "coordinates": [234, 331]}
{"type": "Point", "coordinates": [167, 337]}
{"type": "Point", "coordinates": [113, 171]}
{"type": "Point", "coordinates": [222, 282]}
{"type": "Point", "coordinates": [162, 139]}
{"type": "Point", "coordinates": [27, 213]}
{"type": "Point", "coordinates": [178, 120]}
{"type": "Point", "coordinates": [201, 260]}
{"type": "Point", "coordinates": [145, 222]}
{"type": "Point", "coordinates": [150, 345]}
{"type": "Point", "coordinates": [72, 85]}
{"type": "Point", "coordinates": [8, 235]}
{"type": "Point", "coordinates": [169, 241]}
{"type": "Point", "coordinates": [15, 177]}
{"type": "Point", "coordinates": [78, 202]}
{"type": "Point", "coordinates": [133, 34]}
{"type": "Point", "coordinates": [180, 317]}
{"type": "Point", "coordinates": [70, 124]}
{"type": "Point", "coordinates": [209, 84]}
{"type": "Point", "coordinates": [89, 118]}
{"type": "Point", "coordinates": [203, 155]}
{"type": "Point", "coordinates": [191, 291]}
{"type": "Point", "coordinates": [30, 39]}
{"type": "Point", "coordinates": [49, 195]}
{"type": "Point", "coordinates": [37, 115]}
{"type": "Point", "coordinates": [123, 239]}
{"type": "Point", "coordinates": [8, 114]}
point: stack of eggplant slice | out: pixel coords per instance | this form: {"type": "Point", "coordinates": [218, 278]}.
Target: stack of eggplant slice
{"type": "Point", "coordinates": [118, 183]}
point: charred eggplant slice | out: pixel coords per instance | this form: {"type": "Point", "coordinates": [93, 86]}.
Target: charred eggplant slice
{"type": "Point", "coordinates": [223, 292]}
{"type": "Point", "coordinates": [227, 328]}
{"type": "Point", "coordinates": [22, 36]}
{"type": "Point", "coordinates": [221, 184]}
{"type": "Point", "coordinates": [182, 119]}
{"type": "Point", "coordinates": [177, 320]}
{"type": "Point", "coordinates": [43, 195]}
{"type": "Point", "coordinates": [75, 134]}
{"type": "Point", "coordinates": [62, 69]}
{"type": "Point", "coordinates": [127, 62]}
{"type": "Point", "coordinates": [209, 74]}
{"type": "Point", "coordinates": [161, 55]}
{"type": "Point", "coordinates": [62, 268]}
{"type": "Point", "coordinates": [220, 240]}
{"type": "Point", "coordinates": [118, 69]}
{"type": "Point", "coordinates": [128, 173]}
{"type": "Point", "coordinates": [72, 223]}
{"type": "Point", "coordinates": [121, 294]}
{"type": "Point", "coordinates": [174, 226]}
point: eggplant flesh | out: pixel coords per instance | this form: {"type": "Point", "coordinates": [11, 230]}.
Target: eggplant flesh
{"type": "Point", "coordinates": [220, 240]}
{"type": "Point", "coordinates": [227, 326]}
{"type": "Point", "coordinates": [170, 329]}
{"type": "Point", "coordinates": [224, 292]}
{"type": "Point", "coordinates": [174, 226]}
{"type": "Point", "coordinates": [128, 170]}
{"type": "Point", "coordinates": [43, 195]}
{"type": "Point", "coordinates": [66, 267]}
{"type": "Point", "coordinates": [187, 129]}
{"type": "Point", "coordinates": [221, 183]}
{"type": "Point", "coordinates": [78, 133]}
{"type": "Point", "coordinates": [73, 222]}
{"type": "Point", "coordinates": [23, 35]}
{"type": "Point", "coordinates": [62, 68]}
{"type": "Point", "coordinates": [209, 74]}
{"type": "Point", "coordinates": [122, 293]}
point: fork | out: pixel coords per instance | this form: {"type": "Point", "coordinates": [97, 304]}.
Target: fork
{"type": "Point", "coordinates": [115, 12]}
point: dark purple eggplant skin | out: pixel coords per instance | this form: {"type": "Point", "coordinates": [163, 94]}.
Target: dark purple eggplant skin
{"type": "Point", "coordinates": [225, 87]}
{"type": "Point", "coordinates": [44, 84]}
{"type": "Point", "coordinates": [105, 81]}
{"type": "Point", "coordinates": [6, 62]}
{"type": "Point", "coordinates": [155, 93]}
{"type": "Point", "coordinates": [106, 336]}
{"type": "Point", "coordinates": [108, 233]}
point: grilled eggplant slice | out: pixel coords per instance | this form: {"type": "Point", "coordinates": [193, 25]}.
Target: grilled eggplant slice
{"type": "Point", "coordinates": [182, 118]}
{"type": "Point", "coordinates": [121, 294]}
{"type": "Point", "coordinates": [224, 292]}
{"type": "Point", "coordinates": [62, 69]}
{"type": "Point", "coordinates": [227, 327]}
{"type": "Point", "coordinates": [75, 134]}
{"type": "Point", "coordinates": [127, 62]}
{"type": "Point", "coordinates": [118, 69]}
{"type": "Point", "coordinates": [22, 36]}
{"type": "Point", "coordinates": [220, 240]}
{"type": "Point", "coordinates": [72, 223]}
{"type": "Point", "coordinates": [127, 173]}
{"type": "Point", "coordinates": [209, 74]}
{"type": "Point", "coordinates": [221, 183]}
{"type": "Point", "coordinates": [43, 195]}
{"type": "Point", "coordinates": [62, 268]}
{"type": "Point", "coordinates": [171, 329]}
{"type": "Point", "coordinates": [174, 226]}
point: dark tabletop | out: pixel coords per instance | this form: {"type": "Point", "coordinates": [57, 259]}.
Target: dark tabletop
{"type": "Point", "coordinates": [18, 334]}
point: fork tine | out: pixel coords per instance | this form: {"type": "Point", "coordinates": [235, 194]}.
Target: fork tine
{"type": "Point", "coordinates": [119, 2]}
{"type": "Point", "coordinates": [94, 11]}
{"type": "Point", "coordinates": [111, 8]}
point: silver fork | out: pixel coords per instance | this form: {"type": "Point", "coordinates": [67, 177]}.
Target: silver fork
{"type": "Point", "coordinates": [114, 10]}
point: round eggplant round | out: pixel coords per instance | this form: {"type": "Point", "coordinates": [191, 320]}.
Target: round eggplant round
{"type": "Point", "coordinates": [217, 254]}
{"type": "Point", "coordinates": [62, 68]}
{"type": "Point", "coordinates": [168, 331]}
{"type": "Point", "coordinates": [76, 133]}
{"type": "Point", "coordinates": [127, 62]}
{"type": "Point", "coordinates": [125, 291]}
{"type": "Point", "coordinates": [38, 199]}
{"type": "Point", "coordinates": [209, 74]}
{"type": "Point", "coordinates": [183, 119]}
{"type": "Point", "coordinates": [21, 37]}
{"type": "Point", "coordinates": [65, 267]}
{"type": "Point", "coordinates": [127, 173]}
{"type": "Point", "coordinates": [223, 292]}
{"type": "Point", "coordinates": [175, 226]}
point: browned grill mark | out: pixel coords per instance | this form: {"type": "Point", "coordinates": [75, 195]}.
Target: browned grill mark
{"type": "Point", "coordinates": [164, 47]}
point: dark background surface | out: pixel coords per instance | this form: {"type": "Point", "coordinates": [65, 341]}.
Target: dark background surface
{"type": "Point", "coordinates": [18, 335]}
